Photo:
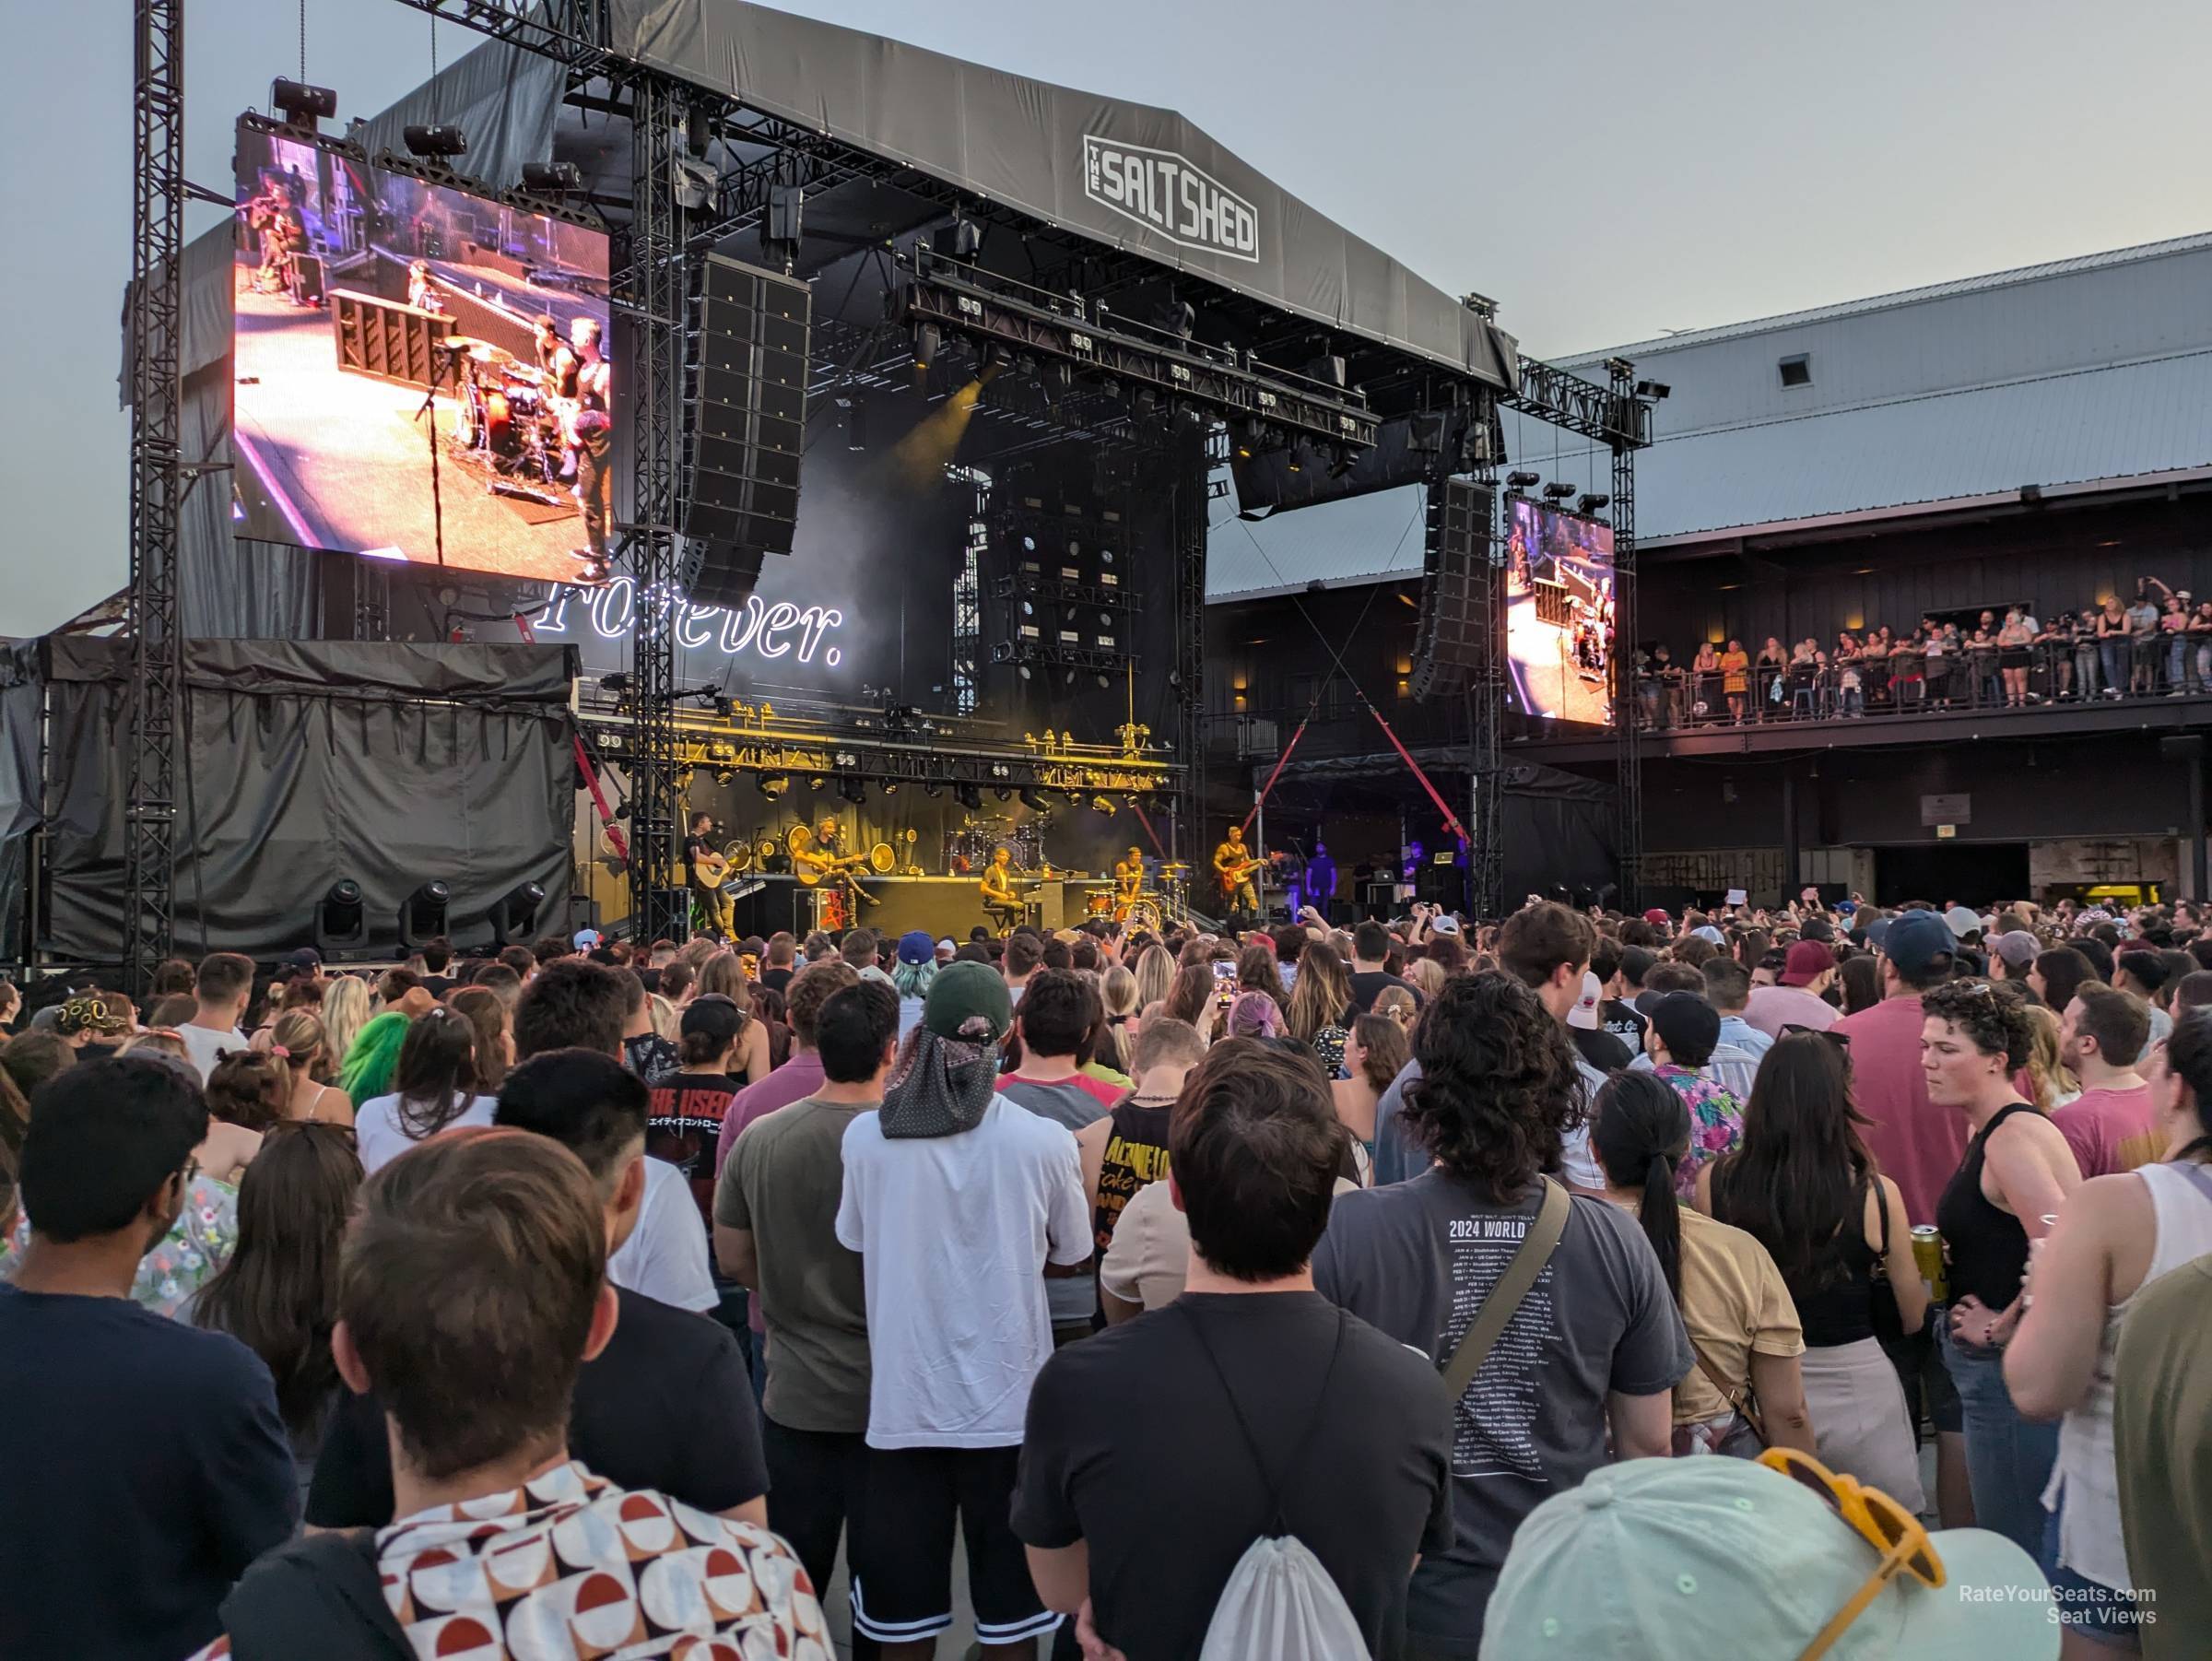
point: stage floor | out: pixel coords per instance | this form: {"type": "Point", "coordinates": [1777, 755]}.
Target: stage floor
{"type": "Point", "coordinates": [339, 461]}
{"type": "Point", "coordinates": [1544, 667]}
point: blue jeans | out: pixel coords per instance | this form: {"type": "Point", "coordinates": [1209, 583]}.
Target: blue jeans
{"type": "Point", "coordinates": [2114, 655]}
{"type": "Point", "coordinates": [2008, 1458]}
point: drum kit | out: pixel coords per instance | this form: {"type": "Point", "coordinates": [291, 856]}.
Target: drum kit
{"type": "Point", "coordinates": [968, 849]}
{"type": "Point", "coordinates": [508, 422]}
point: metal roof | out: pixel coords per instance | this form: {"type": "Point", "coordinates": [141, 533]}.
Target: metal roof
{"type": "Point", "coordinates": [1363, 539]}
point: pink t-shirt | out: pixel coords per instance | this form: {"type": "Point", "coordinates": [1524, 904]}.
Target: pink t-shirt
{"type": "Point", "coordinates": [1774, 1007]}
{"type": "Point", "coordinates": [1917, 1144]}
{"type": "Point", "coordinates": [2111, 1131]}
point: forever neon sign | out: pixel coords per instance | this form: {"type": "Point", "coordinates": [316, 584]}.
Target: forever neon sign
{"type": "Point", "coordinates": [770, 629]}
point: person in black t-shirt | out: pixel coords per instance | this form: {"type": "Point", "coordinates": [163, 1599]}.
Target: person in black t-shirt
{"type": "Point", "coordinates": [666, 1406]}
{"type": "Point", "coordinates": [1622, 969]}
{"type": "Point", "coordinates": [1283, 1405]}
{"type": "Point", "coordinates": [1370, 949]}
{"type": "Point", "coordinates": [690, 1105]}
{"type": "Point", "coordinates": [705, 869]}
{"type": "Point", "coordinates": [143, 1462]}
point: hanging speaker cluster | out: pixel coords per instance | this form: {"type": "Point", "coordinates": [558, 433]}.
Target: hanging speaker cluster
{"type": "Point", "coordinates": [1459, 596]}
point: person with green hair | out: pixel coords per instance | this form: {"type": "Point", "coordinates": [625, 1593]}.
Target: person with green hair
{"type": "Point", "coordinates": [368, 1064]}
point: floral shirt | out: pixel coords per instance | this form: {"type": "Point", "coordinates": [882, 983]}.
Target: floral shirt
{"type": "Point", "coordinates": [182, 1260]}
{"type": "Point", "coordinates": [570, 1567]}
{"type": "Point", "coordinates": [1716, 1123]}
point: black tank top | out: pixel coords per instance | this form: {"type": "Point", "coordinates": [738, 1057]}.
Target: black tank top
{"type": "Point", "coordinates": [1839, 1310]}
{"type": "Point", "coordinates": [1987, 1248]}
{"type": "Point", "coordinates": [1136, 1153]}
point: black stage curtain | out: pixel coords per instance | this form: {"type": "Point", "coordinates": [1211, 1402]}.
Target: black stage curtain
{"type": "Point", "coordinates": [1559, 831]}
{"type": "Point", "coordinates": [305, 762]}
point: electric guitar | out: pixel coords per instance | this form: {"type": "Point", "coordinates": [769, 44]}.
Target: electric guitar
{"type": "Point", "coordinates": [1235, 877]}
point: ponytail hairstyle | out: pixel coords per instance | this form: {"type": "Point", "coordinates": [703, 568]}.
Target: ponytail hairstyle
{"type": "Point", "coordinates": [1639, 1131]}
{"type": "Point", "coordinates": [249, 1087]}
{"type": "Point", "coordinates": [299, 1035]}
{"type": "Point", "coordinates": [436, 1073]}
{"type": "Point", "coordinates": [711, 1023]}
{"type": "Point", "coordinates": [2189, 1059]}
{"type": "Point", "coordinates": [488, 1017]}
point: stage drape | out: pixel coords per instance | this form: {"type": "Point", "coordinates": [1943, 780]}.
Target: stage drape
{"type": "Point", "coordinates": [304, 763]}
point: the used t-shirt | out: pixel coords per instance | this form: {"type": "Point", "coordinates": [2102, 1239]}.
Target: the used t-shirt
{"type": "Point", "coordinates": [1417, 1259]}
{"type": "Point", "coordinates": [1368, 984]}
{"type": "Point", "coordinates": [666, 1406]}
{"type": "Point", "coordinates": [665, 1256]}
{"type": "Point", "coordinates": [1771, 1008]}
{"type": "Point", "coordinates": [2111, 1131]}
{"type": "Point", "coordinates": [144, 1466]}
{"type": "Point", "coordinates": [381, 1135]}
{"type": "Point", "coordinates": [954, 1233]}
{"type": "Point", "coordinates": [2163, 1440]}
{"type": "Point", "coordinates": [204, 1044]}
{"type": "Point", "coordinates": [1360, 1462]}
{"type": "Point", "coordinates": [1734, 1304]}
{"type": "Point", "coordinates": [784, 1182]}
{"type": "Point", "coordinates": [683, 1125]}
{"type": "Point", "coordinates": [1074, 1102]}
{"type": "Point", "coordinates": [1917, 1144]}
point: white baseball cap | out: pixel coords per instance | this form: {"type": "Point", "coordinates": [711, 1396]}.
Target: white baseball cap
{"type": "Point", "coordinates": [1584, 1013]}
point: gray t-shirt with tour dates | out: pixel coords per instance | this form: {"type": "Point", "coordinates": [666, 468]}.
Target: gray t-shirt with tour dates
{"type": "Point", "coordinates": [1417, 1259]}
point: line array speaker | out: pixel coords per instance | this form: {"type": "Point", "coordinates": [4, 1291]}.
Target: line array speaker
{"type": "Point", "coordinates": [1458, 608]}
{"type": "Point", "coordinates": [748, 425]}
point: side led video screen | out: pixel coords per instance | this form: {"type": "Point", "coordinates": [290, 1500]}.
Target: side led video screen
{"type": "Point", "coordinates": [422, 374]}
{"type": "Point", "coordinates": [1559, 612]}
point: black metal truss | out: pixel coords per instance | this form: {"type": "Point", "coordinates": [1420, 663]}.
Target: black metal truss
{"type": "Point", "coordinates": [1608, 415]}
{"type": "Point", "coordinates": [573, 32]}
{"type": "Point", "coordinates": [1486, 717]}
{"type": "Point", "coordinates": [1199, 457]}
{"type": "Point", "coordinates": [1104, 661]}
{"type": "Point", "coordinates": [158, 484]}
{"type": "Point", "coordinates": [965, 301]}
{"type": "Point", "coordinates": [1627, 737]}
{"type": "Point", "coordinates": [654, 294]}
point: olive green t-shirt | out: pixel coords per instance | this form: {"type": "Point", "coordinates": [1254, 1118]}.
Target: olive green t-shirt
{"type": "Point", "coordinates": [2163, 1440]}
{"type": "Point", "coordinates": [782, 1181]}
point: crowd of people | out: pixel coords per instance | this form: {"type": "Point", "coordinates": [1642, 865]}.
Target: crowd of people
{"type": "Point", "coordinates": [2157, 644]}
{"type": "Point", "coordinates": [1573, 1284]}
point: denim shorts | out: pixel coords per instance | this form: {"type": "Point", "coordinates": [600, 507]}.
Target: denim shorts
{"type": "Point", "coordinates": [2107, 1618]}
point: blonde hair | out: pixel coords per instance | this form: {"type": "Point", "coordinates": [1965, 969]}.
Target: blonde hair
{"type": "Point", "coordinates": [346, 1010]}
{"type": "Point", "coordinates": [2048, 1074]}
{"type": "Point", "coordinates": [1117, 991]}
{"type": "Point", "coordinates": [1155, 974]}
{"type": "Point", "coordinates": [165, 1043]}
{"type": "Point", "coordinates": [666, 1023]}
{"type": "Point", "coordinates": [723, 975]}
{"type": "Point", "coordinates": [1397, 1003]}
{"type": "Point", "coordinates": [1425, 976]}
{"type": "Point", "coordinates": [300, 1034]}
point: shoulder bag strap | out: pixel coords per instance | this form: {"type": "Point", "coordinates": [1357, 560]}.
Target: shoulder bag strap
{"type": "Point", "coordinates": [1535, 1252]}
{"type": "Point", "coordinates": [1739, 1398]}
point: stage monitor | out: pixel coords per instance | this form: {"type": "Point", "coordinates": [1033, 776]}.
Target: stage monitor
{"type": "Point", "coordinates": [421, 373]}
{"type": "Point", "coordinates": [1559, 613]}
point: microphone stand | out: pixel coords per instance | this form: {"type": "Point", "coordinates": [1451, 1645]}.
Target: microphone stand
{"type": "Point", "coordinates": [442, 364]}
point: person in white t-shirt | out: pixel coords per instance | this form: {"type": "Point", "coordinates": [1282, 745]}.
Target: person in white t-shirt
{"type": "Point", "coordinates": [434, 1090]}
{"type": "Point", "coordinates": [224, 986]}
{"type": "Point", "coordinates": [958, 1200]}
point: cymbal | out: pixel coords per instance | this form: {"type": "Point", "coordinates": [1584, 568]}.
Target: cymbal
{"type": "Point", "coordinates": [463, 342]}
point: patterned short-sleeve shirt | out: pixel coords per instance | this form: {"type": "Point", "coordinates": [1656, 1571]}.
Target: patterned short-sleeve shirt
{"type": "Point", "coordinates": [572, 1568]}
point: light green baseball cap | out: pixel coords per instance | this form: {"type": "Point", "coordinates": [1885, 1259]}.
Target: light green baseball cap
{"type": "Point", "coordinates": [1701, 1558]}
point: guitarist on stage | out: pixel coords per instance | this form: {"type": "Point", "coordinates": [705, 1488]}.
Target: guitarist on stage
{"type": "Point", "coordinates": [708, 869]}
{"type": "Point", "coordinates": [1235, 866]}
{"type": "Point", "coordinates": [826, 855]}
{"type": "Point", "coordinates": [1128, 883]}
{"type": "Point", "coordinates": [1000, 900]}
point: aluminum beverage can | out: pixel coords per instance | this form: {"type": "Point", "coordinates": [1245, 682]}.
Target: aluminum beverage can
{"type": "Point", "coordinates": [1927, 1254]}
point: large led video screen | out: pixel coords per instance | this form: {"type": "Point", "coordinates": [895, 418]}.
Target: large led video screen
{"type": "Point", "coordinates": [1559, 612]}
{"type": "Point", "coordinates": [421, 373]}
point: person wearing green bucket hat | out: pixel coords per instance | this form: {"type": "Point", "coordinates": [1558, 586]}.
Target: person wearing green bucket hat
{"type": "Point", "coordinates": [1773, 1560]}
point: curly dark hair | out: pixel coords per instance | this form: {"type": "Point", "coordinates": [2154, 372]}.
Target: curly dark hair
{"type": "Point", "coordinates": [1499, 1088]}
{"type": "Point", "coordinates": [1993, 1015]}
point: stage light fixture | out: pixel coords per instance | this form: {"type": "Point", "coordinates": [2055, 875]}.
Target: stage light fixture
{"type": "Point", "coordinates": [1558, 490]}
{"type": "Point", "coordinates": [1031, 800]}
{"type": "Point", "coordinates": [341, 920]}
{"type": "Point", "coordinates": [422, 913]}
{"type": "Point", "coordinates": [438, 140]}
{"type": "Point", "coordinates": [891, 787]}
{"type": "Point", "coordinates": [853, 791]}
{"type": "Point", "coordinates": [1586, 504]}
{"type": "Point", "coordinates": [618, 683]}
{"type": "Point", "coordinates": [1003, 794]}
{"type": "Point", "coordinates": [999, 769]}
{"type": "Point", "coordinates": [552, 177]}
{"type": "Point", "coordinates": [1100, 804]}
{"type": "Point", "coordinates": [1519, 482]}
{"type": "Point", "coordinates": [1652, 389]}
{"type": "Point", "coordinates": [303, 103]}
{"type": "Point", "coordinates": [815, 782]}
{"type": "Point", "coordinates": [933, 789]}
{"type": "Point", "coordinates": [968, 796]}
{"type": "Point", "coordinates": [514, 919]}
{"type": "Point", "coordinates": [927, 343]}
{"type": "Point", "coordinates": [773, 784]}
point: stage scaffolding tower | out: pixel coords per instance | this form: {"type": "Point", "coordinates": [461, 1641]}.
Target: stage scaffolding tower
{"type": "Point", "coordinates": [1627, 735]}
{"type": "Point", "coordinates": [1194, 456]}
{"type": "Point", "coordinates": [1486, 683]}
{"type": "Point", "coordinates": [655, 295]}
{"type": "Point", "coordinates": [157, 480]}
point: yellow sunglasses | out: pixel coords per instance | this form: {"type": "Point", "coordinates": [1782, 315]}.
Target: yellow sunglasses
{"type": "Point", "coordinates": [1880, 1521]}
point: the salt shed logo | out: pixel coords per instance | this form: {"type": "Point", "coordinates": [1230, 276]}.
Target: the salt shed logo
{"type": "Point", "coordinates": [1162, 192]}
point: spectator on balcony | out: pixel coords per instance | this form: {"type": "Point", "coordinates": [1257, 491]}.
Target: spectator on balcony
{"type": "Point", "coordinates": [2112, 647]}
{"type": "Point", "coordinates": [2173, 623]}
{"type": "Point", "coordinates": [2197, 639]}
{"type": "Point", "coordinates": [1942, 658]}
{"type": "Point", "coordinates": [1736, 680]}
{"type": "Point", "coordinates": [1907, 671]}
{"type": "Point", "coordinates": [1983, 653]}
{"type": "Point", "coordinates": [1772, 664]}
{"type": "Point", "coordinates": [2055, 646]}
{"type": "Point", "coordinates": [2142, 638]}
{"type": "Point", "coordinates": [1705, 685]}
{"type": "Point", "coordinates": [2015, 643]}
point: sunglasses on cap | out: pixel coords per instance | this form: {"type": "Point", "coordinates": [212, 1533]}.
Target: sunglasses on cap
{"type": "Point", "coordinates": [1880, 1521]}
